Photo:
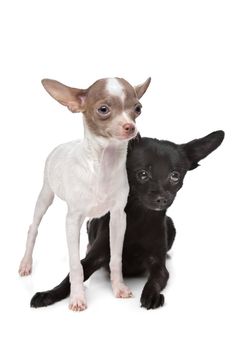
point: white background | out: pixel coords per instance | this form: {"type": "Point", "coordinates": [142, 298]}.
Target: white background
{"type": "Point", "coordinates": [186, 47]}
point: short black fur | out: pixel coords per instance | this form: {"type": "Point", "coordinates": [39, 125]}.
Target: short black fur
{"type": "Point", "coordinates": [156, 170]}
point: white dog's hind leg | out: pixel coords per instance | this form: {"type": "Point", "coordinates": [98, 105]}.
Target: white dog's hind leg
{"type": "Point", "coordinates": [44, 200]}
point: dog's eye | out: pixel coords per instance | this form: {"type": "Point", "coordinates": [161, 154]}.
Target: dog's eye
{"type": "Point", "coordinates": [174, 177]}
{"type": "Point", "coordinates": [138, 109]}
{"type": "Point", "coordinates": [143, 175]}
{"type": "Point", "coordinates": [103, 110]}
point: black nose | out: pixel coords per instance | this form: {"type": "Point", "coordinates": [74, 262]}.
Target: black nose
{"type": "Point", "coordinates": [161, 200]}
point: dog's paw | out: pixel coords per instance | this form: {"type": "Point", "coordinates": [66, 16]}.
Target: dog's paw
{"type": "Point", "coordinates": [25, 267]}
{"type": "Point", "coordinates": [120, 290]}
{"type": "Point", "coordinates": [77, 303]}
{"type": "Point", "coordinates": [41, 299]}
{"type": "Point", "coordinates": [150, 298]}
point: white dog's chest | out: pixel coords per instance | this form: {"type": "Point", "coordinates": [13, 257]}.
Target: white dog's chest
{"type": "Point", "coordinates": [104, 192]}
{"type": "Point", "coordinates": [88, 185]}
{"type": "Point", "coordinates": [98, 210]}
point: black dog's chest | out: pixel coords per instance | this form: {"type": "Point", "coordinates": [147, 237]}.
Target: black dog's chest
{"type": "Point", "coordinates": [145, 235]}
{"type": "Point", "coordinates": [145, 225]}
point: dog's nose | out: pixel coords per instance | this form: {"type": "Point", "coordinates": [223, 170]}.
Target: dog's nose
{"type": "Point", "coordinates": [129, 128]}
{"type": "Point", "coordinates": [161, 201]}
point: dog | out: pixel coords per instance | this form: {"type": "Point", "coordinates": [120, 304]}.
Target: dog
{"type": "Point", "coordinates": [91, 175]}
{"type": "Point", "coordinates": [156, 170]}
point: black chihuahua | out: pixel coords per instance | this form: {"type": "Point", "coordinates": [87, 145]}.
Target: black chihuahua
{"type": "Point", "coordinates": [156, 170]}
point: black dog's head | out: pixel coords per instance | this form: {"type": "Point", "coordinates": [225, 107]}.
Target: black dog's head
{"type": "Point", "coordinates": [156, 169]}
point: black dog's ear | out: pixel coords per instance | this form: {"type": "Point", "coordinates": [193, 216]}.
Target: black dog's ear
{"type": "Point", "coordinates": [200, 148]}
{"type": "Point", "coordinates": [134, 142]}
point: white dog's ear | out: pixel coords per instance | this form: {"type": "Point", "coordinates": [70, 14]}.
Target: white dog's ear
{"type": "Point", "coordinates": [141, 89]}
{"type": "Point", "coordinates": [74, 99]}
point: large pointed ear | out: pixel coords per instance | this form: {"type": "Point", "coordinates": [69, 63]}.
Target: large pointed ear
{"type": "Point", "coordinates": [200, 148]}
{"type": "Point", "coordinates": [74, 99]}
{"type": "Point", "coordinates": [141, 89]}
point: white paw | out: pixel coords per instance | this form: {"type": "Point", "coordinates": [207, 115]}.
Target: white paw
{"type": "Point", "coordinates": [77, 303]}
{"type": "Point", "coordinates": [120, 290]}
{"type": "Point", "coordinates": [25, 267]}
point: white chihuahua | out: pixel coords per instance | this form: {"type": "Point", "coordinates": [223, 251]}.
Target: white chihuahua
{"type": "Point", "coordinates": [90, 175]}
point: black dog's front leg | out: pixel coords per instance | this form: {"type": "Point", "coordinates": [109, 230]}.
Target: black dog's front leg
{"type": "Point", "coordinates": [151, 297]}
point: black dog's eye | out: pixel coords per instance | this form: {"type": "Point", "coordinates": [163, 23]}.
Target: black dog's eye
{"type": "Point", "coordinates": [103, 110]}
{"type": "Point", "coordinates": [143, 175]}
{"type": "Point", "coordinates": [174, 177]}
{"type": "Point", "coordinates": [138, 109]}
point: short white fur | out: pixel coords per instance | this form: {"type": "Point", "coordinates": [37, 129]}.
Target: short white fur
{"type": "Point", "coordinates": [76, 172]}
{"type": "Point", "coordinates": [115, 88]}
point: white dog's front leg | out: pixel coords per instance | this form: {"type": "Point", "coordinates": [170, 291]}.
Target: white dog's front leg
{"type": "Point", "coordinates": [74, 222]}
{"type": "Point", "coordinates": [117, 233]}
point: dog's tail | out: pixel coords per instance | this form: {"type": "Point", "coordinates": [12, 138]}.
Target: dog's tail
{"type": "Point", "coordinates": [49, 297]}
{"type": "Point", "coordinates": [62, 290]}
